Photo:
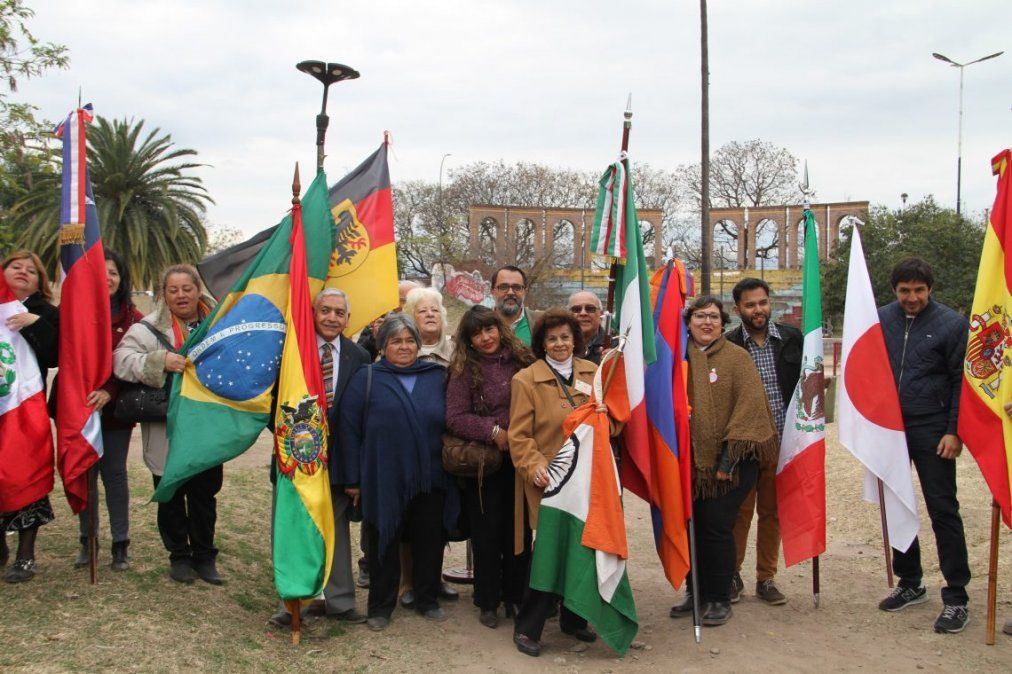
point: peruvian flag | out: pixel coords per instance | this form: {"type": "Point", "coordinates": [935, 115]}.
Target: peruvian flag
{"type": "Point", "coordinates": [86, 349]}
{"type": "Point", "coordinates": [26, 441]}
{"type": "Point", "coordinates": [871, 425]}
{"type": "Point", "coordinates": [801, 470]}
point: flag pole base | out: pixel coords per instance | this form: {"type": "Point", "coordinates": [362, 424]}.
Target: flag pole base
{"type": "Point", "coordinates": [815, 600]}
{"type": "Point", "coordinates": [295, 610]}
{"type": "Point", "coordinates": [698, 632]}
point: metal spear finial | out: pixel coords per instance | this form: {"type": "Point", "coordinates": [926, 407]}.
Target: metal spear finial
{"type": "Point", "coordinates": [806, 188]}
{"type": "Point", "coordinates": [296, 185]}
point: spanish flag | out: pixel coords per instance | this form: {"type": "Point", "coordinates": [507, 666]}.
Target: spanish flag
{"type": "Point", "coordinates": [984, 425]}
{"type": "Point", "coordinates": [303, 517]}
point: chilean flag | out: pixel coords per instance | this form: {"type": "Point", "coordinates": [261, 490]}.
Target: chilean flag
{"type": "Point", "coordinates": [871, 425]}
{"type": "Point", "coordinates": [26, 442]}
{"type": "Point", "coordinates": [86, 340]}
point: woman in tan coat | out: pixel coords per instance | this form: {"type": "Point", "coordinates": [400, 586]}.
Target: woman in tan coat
{"type": "Point", "coordinates": [541, 397]}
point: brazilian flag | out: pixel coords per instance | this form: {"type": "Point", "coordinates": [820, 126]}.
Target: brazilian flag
{"type": "Point", "coordinates": [223, 399]}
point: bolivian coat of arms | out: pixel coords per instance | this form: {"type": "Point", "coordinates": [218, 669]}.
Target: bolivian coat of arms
{"type": "Point", "coordinates": [301, 435]}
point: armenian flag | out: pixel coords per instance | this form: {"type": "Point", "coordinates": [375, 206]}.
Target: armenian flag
{"type": "Point", "coordinates": [85, 350]}
{"type": "Point", "coordinates": [984, 425]}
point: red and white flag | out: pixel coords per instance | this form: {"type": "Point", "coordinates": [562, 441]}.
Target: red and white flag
{"type": "Point", "coordinates": [871, 425]}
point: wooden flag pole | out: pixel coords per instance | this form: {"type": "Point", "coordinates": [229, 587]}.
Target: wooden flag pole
{"type": "Point", "coordinates": [815, 580]}
{"type": "Point", "coordinates": [294, 605]}
{"type": "Point", "coordinates": [886, 547]}
{"type": "Point", "coordinates": [613, 272]}
{"type": "Point", "coordinates": [92, 510]}
{"type": "Point", "coordinates": [992, 574]}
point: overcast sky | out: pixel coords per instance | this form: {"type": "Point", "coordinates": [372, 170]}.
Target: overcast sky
{"type": "Point", "coordinates": [849, 86]}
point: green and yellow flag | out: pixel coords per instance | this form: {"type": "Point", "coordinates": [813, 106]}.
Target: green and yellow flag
{"type": "Point", "coordinates": [303, 516]}
{"type": "Point", "coordinates": [222, 401]}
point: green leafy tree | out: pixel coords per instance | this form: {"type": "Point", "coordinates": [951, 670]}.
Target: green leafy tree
{"type": "Point", "coordinates": [22, 56]}
{"type": "Point", "coordinates": [150, 205]}
{"type": "Point", "coordinates": [951, 245]}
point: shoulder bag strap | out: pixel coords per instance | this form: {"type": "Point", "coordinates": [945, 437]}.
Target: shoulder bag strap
{"type": "Point", "coordinates": [564, 386]}
{"type": "Point", "coordinates": [158, 335]}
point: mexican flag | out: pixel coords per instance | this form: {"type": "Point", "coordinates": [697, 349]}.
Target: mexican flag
{"type": "Point", "coordinates": [801, 470]}
{"type": "Point", "coordinates": [581, 548]}
{"type": "Point", "coordinates": [26, 441]}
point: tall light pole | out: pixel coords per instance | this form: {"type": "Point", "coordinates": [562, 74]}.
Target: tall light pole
{"type": "Point", "coordinates": [327, 74]}
{"type": "Point", "coordinates": [959, 150]}
{"type": "Point", "coordinates": [704, 163]}
{"type": "Point", "coordinates": [442, 214]}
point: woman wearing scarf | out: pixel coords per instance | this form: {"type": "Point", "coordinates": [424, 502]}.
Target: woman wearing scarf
{"type": "Point", "coordinates": [27, 280]}
{"type": "Point", "coordinates": [392, 420]}
{"type": "Point", "coordinates": [541, 398]}
{"type": "Point", "coordinates": [186, 523]}
{"type": "Point", "coordinates": [732, 430]}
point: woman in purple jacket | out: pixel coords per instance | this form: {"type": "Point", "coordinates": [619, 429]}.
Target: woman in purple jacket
{"type": "Point", "coordinates": [486, 357]}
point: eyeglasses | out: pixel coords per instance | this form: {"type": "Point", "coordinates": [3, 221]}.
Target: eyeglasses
{"type": "Point", "coordinates": [706, 317]}
{"type": "Point", "coordinates": [584, 309]}
{"type": "Point", "coordinates": [506, 287]}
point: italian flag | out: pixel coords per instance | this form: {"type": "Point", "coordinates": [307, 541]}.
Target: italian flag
{"type": "Point", "coordinates": [581, 546]}
{"type": "Point", "coordinates": [26, 441]}
{"type": "Point", "coordinates": [801, 470]}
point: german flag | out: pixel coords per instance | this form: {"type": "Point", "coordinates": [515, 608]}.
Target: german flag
{"type": "Point", "coordinates": [984, 426]}
{"type": "Point", "coordinates": [364, 259]}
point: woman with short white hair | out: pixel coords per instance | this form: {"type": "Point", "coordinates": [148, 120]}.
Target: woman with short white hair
{"type": "Point", "coordinates": [425, 307]}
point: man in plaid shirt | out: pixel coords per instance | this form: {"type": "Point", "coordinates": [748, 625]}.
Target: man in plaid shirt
{"type": "Point", "coordinates": [776, 349]}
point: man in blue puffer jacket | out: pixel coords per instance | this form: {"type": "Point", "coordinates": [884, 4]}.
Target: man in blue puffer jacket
{"type": "Point", "coordinates": [926, 342]}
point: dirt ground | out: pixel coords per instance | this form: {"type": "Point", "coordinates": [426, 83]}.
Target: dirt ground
{"type": "Point", "coordinates": [142, 621]}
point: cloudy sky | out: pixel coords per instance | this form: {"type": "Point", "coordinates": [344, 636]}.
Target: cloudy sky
{"type": "Point", "coordinates": [849, 86]}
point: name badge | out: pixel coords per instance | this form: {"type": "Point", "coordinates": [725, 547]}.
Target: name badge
{"type": "Point", "coordinates": [582, 387]}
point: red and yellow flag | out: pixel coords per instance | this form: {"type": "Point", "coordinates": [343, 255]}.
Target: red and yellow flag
{"type": "Point", "coordinates": [984, 425]}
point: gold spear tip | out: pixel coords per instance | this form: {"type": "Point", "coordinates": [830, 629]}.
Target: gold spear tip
{"type": "Point", "coordinates": [296, 185]}
{"type": "Point", "coordinates": [628, 107]}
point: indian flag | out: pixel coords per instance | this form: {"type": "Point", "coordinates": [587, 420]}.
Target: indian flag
{"type": "Point", "coordinates": [801, 470]}
{"type": "Point", "coordinates": [983, 424]}
{"type": "Point", "coordinates": [581, 547]}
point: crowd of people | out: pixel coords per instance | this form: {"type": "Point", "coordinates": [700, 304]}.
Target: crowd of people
{"type": "Point", "coordinates": [504, 381]}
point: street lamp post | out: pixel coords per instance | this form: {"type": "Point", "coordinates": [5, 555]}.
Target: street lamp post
{"type": "Point", "coordinates": [442, 214]}
{"type": "Point", "coordinates": [959, 146]}
{"type": "Point", "coordinates": [327, 74]}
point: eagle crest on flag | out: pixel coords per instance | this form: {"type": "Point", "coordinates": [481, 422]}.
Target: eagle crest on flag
{"type": "Point", "coordinates": [352, 245]}
{"type": "Point", "coordinates": [300, 438]}
{"type": "Point", "coordinates": [7, 373]}
{"type": "Point", "coordinates": [811, 397]}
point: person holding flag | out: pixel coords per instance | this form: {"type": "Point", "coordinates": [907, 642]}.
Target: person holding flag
{"type": "Point", "coordinates": [732, 433]}
{"type": "Point", "coordinates": [26, 442]}
{"type": "Point", "coordinates": [926, 342]}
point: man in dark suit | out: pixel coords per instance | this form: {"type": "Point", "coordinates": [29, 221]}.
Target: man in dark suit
{"type": "Point", "coordinates": [339, 358]}
{"type": "Point", "coordinates": [776, 349]}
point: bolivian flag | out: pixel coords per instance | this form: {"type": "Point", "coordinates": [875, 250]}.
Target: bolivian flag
{"type": "Point", "coordinates": [984, 426]}
{"type": "Point", "coordinates": [303, 517]}
{"type": "Point", "coordinates": [223, 400]}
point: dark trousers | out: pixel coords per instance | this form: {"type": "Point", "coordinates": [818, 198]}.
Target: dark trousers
{"type": "Point", "coordinates": [714, 520]}
{"type": "Point", "coordinates": [186, 523]}
{"type": "Point", "coordinates": [422, 528]}
{"type": "Point", "coordinates": [938, 483]}
{"type": "Point", "coordinates": [112, 468]}
{"type": "Point", "coordinates": [536, 608]}
{"type": "Point", "coordinates": [499, 575]}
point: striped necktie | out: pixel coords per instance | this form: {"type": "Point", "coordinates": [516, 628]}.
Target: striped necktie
{"type": "Point", "coordinates": [327, 365]}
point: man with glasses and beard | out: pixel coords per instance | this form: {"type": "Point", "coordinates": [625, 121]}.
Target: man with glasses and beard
{"type": "Point", "coordinates": [509, 288]}
{"type": "Point", "coordinates": [586, 309]}
{"type": "Point", "coordinates": [776, 349]}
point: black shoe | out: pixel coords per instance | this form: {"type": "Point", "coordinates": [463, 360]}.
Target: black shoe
{"type": "Point", "coordinates": [378, 623]}
{"type": "Point", "coordinates": [208, 573]}
{"type": "Point", "coordinates": [952, 619]}
{"type": "Point", "coordinates": [901, 597]}
{"type": "Point", "coordinates": [436, 615]}
{"type": "Point", "coordinates": [83, 556]}
{"type": "Point", "coordinates": [684, 609]}
{"type": "Point", "coordinates": [526, 645]}
{"type": "Point", "coordinates": [447, 591]}
{"type": "Point", "coordinates": [582, 634]}
{"type": "Point", "coordinates": [280, 619]}
{"type": "Point", "coordinates": [716, 613]}
{"type": "Point", "coordinates": [737, 587]}
{"type": "Point", "coordinates": [511, 610]}
{"type": "Point", "coordinates": [350, 616]}
{"type": "Point", "coordinates": [21, 570]}
{"type": "Point", "coordinates": [119, 556]}
{"type": "Point", "coordinates": [182, 572]}
{"type": "Point", "coordinates": [408, 599]}
{"type": "Point", "coordinates": [489, 619]}
{"type": "Point", "coordinates": [316, 609]}
{"type": "Point", "coordinates": [363, 579]}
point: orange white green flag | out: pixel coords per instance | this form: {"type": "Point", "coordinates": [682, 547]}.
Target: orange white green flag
{"type": "Point", "coordinates": [984, 426]}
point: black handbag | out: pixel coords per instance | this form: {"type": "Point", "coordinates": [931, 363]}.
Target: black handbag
{"type": "Point", "coordinates": [137, 402]}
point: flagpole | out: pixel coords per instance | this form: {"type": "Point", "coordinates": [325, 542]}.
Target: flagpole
{"type": "Point", "coordinates": [886, 547]}
{"type": "Point", "coordinates": [613, 271]}
{"type": "Point", "coordinates": [697, 614]}
{"type": "Point", "coordinates": [992, 574]}
{"type": "Point", "coordinates": [92, 513]}
{"type": "Point", "coordinates": [294, 605]}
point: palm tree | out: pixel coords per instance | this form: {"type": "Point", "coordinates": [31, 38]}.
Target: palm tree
{"type": "Point", "coordinates": [150, 206]}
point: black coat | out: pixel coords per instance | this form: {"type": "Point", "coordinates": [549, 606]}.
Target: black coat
{"type": "Point", "coordinates": [352, 357]}
{"type": "Point", "coordinates": [44, 334]}
{"type": "Point", "coordinates": [787, 353]}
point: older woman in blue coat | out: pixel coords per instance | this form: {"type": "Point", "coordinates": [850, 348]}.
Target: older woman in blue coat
{"type": "Point", "coordinates": [391, 426]}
